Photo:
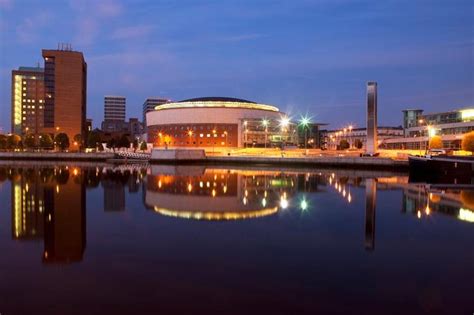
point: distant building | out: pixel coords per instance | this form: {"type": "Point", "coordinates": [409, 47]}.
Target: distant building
{"type": "Point", "coordinates": [133, 128]}
{"type": "Point", "coordinates": [419, 127]}
{"type": "Point", "coordinates": [311, 135]}
{"type": "Point", "coordinates": [114, 108]}
{"type": "Point", "coordinates": [65, 82]}
{"type": "Point", "coordinates": [150, 104]}
{"type": "Point", "coordinates": [27, 100]}
{"type": "Point", "coordinates": [88, 124]}
{"type": "Point", "coordinates": [333, 138]}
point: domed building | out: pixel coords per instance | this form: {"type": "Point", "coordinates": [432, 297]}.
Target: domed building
{"type": "Point", "coordinates": [217, 122]}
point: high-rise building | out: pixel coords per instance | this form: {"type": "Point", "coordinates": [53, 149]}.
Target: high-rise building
{"type": "Point", "coordinates": [65, 82]}
{"type": "Point", "coordinates": [150, 104]}
{"type": "Point", "coordinates": [114, 108]}
{"type": "Point", "coordinates": [27, 100]}
{"type": "Point", "coordinates": [371, 143]}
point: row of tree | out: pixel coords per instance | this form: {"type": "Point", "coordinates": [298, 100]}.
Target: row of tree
{"type": "Point", "coordinates": [61, 142]}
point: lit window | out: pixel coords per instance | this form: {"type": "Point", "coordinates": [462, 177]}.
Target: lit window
{"type": "Point", "coordinates": [24, 94]}
{"type": "Point", "coordinates": [201, 135]}
{"type": "Point", "coordinates": [208, 135]}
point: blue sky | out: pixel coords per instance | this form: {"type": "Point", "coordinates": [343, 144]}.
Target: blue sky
{"type": "Point", "coordinates": [303, 56]}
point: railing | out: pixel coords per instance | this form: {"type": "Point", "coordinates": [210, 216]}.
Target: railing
{"type": "Point", "coordinates": [132, 155]}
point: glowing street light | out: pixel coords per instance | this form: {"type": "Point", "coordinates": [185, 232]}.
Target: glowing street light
{"type": "Point", "coordinates": [304, 122]}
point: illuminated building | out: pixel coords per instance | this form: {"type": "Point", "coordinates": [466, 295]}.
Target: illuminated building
{"type": "Point", "coordinates": [332, 138]}
{"type": "Point", "coordinates": [218, 122]}
{"type": "Point", "coordinates": [65, 82]}
{"type": "Point", "coordinates": [27, 100]}
{"type": "Point", "coordinates": [419, 127]}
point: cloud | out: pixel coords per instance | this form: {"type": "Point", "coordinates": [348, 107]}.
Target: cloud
{"type": "Point", "coordinates": [131, 32]}
{"type": "Point", "coordinates": [90, 16]}
{"type": "Point", "coordinates": [27, 30]}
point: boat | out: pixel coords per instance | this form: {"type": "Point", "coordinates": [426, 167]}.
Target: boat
{"type": "Point", "coordinates": [438, 167]}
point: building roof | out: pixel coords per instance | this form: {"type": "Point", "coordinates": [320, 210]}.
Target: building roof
{"type": "Point", "coordinates": [216, 99]}
{"type": "Point", "coordinates": [31, 69]}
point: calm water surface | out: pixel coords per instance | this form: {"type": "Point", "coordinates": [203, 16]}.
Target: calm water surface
{"type": "Point", "coordinates": [96, 239]}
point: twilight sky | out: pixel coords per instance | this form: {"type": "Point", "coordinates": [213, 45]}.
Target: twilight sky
{"type": "Point", "coordinates": [303, 56]}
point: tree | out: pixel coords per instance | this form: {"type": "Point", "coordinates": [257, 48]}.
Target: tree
{"type": "Point", "coordinates": [344, 144]}
{"type": "Point", "coordinates": [135, 145]}
{"type": "Point", "coordinates": [123, 142]}
{"type": "Point", "coordinates": [143, 146]}
{"type": "Point", "coordinates": [62, 141]}
{"type": "Point", "coordinates": [78, 141]}
{"type": "Point", "coordinates": [30, 141]}
{"type": "Point", "coordinates": [358, 144]}
{"type": "Point", "coordinates": [94, 139]}
{"type": "Point", "coordinates": [435, 142]}
{"type": "Point", "coordinates": [14, 142]}
{"type": "Point", "coordinates": [467, 143]}
{"type": "Point", "coordinates": [3, 142]}
{"type": "Point", "coordinates": [45, 141]}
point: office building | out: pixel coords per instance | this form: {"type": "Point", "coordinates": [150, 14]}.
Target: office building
{"type": "Point", "coordinates": [150, 104]}
{"type": "Point", "coordinates": [27, 107]}
{"type": "Point", "coordinates": [450, 126]}
{"type": "Point", "coordinates": [356, 137]}
{"type": "Point", "coordinates": [114, 108]}
{"type": "Point", "coordinates": [65, 81]}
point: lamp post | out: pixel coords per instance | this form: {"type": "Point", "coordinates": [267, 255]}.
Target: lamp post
{"type": "Point", "coordinates": [226, 134]}
{"type": "Point", "coordinates": [214, 131]}
{"type": "Point", "coordinates": [284, 122]}
{"type": "Point", "coordinates": [304, 122]}
{"type": "Point", "coordinates": [350, 136]}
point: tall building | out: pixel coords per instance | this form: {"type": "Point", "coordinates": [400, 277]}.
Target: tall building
{"type": "Point", "coordinates": [114, 108]}
{"type": "Point", "coordinates": [27, 100]}
{"type": "Point", "coordinates": [371, 144]}
{"type": "Point", "coordinates": [65, 81]}
{"type": "Point", "coordinates": [150, 104]}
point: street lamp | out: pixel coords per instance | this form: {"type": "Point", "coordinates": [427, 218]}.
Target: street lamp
{"type": "Point", "coordinates": [265, 124]}
{"type": "Point", "coordinates": [284, 123]}
{"type": "Point", "coordinates": [304, 122]}
{"type": "Point", "coordinates": [226, 141]}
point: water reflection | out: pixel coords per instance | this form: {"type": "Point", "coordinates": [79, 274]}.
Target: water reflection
{"type": "Point", "coordinates": [49, 202]}
{"type": "Point", "coordinates": [222, 194]}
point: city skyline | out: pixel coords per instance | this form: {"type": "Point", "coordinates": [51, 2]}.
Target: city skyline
{"type": "Point", "coordinates": [421, 56]}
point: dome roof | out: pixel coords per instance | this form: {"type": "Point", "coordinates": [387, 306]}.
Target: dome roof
{"type": "Point", "coordinates": [216, 99]}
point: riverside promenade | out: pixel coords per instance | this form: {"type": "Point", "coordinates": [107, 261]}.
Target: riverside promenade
{"type": "Point", "coordinates": [279, 158]}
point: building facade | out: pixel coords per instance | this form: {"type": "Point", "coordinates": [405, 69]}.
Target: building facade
{"type": "Point", "coordinates": [450, 126]}
{"type": "Point", "coordinates": [355, 136]}
{"type": "Point", "coordinates": [218, 122]}
{"type": "Point", "coordinates": [65, 83]}
{"type": "Point", "coordinates": [27, 100]}
{"type": "Point", "coordinates": [114, 108]}
{"type": "Point", "coordinates": [150, 104]}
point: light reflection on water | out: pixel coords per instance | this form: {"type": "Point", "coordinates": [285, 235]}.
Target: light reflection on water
{"type": "Point", "coordinates": [54, 205]}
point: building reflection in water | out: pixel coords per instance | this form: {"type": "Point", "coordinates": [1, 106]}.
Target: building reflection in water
{"type": "Point", "coordinates": [370, 206]}
{"type": "Point", "coordinates": [50, 204]}
{"type": "Point", "coordinates": [222, 194]}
